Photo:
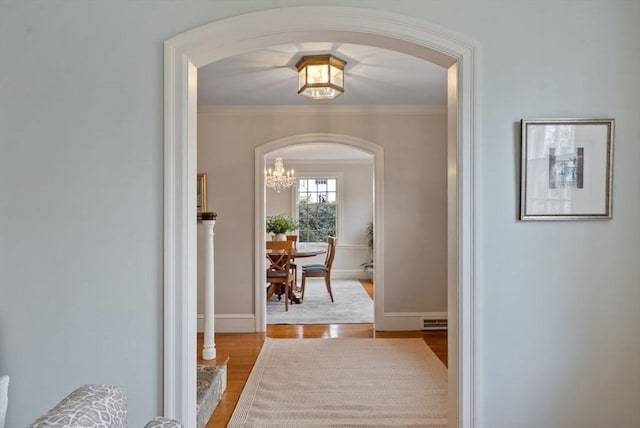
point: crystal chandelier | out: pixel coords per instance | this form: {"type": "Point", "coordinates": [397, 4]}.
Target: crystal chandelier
{"type": "Point", "coordinates": [278, 178]}
{"type": "Point", "coordinates": [320, 77]}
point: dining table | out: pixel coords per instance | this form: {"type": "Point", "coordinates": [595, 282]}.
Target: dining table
{"type": "Point", "coordinates": [296, 253]}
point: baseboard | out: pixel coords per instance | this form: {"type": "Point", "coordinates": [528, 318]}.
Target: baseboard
{"type": "Point", "coordinates": [409, 321]}
{"type": "Point", "coordinates": [231, 323]}
{"type": "Point", "coordinates": [393, 321]}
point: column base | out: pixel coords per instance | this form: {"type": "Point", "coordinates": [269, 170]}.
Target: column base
{"type": "Point", "coordinates": [209, 353]}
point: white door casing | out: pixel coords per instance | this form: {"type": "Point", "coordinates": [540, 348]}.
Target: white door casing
{"type": "Point", "coordinates": [378, 210]}
{"type": "Point", "coordinates": [244, 33]}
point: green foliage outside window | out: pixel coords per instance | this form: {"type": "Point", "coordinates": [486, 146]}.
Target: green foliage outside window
{"type": "Point", "coordinates": [316, 221]}
{"type": "Point", "coordinates": [317, 208]}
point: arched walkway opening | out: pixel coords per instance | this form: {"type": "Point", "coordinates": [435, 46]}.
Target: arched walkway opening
{"type": "Point", "coordinates": [378, 209]}
{"type": "Point", "coordinates": [221, 39]}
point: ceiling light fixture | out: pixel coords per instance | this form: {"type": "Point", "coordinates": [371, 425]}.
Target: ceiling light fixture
{"type": "Point", "coordinates": [320, 77]}
{"type": "Point", "coordinates": [279, 179]}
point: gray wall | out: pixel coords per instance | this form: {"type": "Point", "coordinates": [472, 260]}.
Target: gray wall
{"type": "Point", "coordinates": [81, 97]}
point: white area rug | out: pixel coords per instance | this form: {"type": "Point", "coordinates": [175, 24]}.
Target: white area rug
{"type": "Point", "coordinates": [352, 305]}
{"type": "Point", "coordinates": [344, 382]}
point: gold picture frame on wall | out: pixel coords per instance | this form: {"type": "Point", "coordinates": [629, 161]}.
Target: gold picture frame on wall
{"type": "Point", "coordinates": [201, 196]}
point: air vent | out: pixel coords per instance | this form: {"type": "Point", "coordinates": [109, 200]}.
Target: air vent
{"type": "Point", "coordinates": [434, 324]}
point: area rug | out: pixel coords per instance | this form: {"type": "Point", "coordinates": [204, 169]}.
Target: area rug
{"type": "Point", "coordinates": [352, 305]}
{"type": "Point", "coordinates": [344, 382]}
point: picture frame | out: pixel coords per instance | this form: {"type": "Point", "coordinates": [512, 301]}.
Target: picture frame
{"type": "Point", "coordinates": [201, 196]}
{"type": "Point", "coordinates": [566, 169]}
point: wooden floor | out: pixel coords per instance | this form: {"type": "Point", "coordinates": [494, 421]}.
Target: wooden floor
{"type": "Point", "coordinates": [242, 349]}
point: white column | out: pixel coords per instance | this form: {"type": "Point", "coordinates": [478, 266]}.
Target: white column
{"type": "Point", "coordinates": [209, 347]}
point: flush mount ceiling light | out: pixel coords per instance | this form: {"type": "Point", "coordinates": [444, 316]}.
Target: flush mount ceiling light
{"type": "Point", "coordinates": [320, 77]}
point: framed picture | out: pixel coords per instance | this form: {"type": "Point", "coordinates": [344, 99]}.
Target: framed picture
{"type": "Point", "coordinates": [202, 194]}
{"type": "Point", "coordinates": [566, 169]}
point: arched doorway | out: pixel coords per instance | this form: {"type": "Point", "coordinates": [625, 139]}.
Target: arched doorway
{"type": "Point", "coordinates": [220, 39]}
{"type": "Point", "coordinates": [378, 218]}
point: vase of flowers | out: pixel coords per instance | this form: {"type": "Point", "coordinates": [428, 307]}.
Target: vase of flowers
{"type": "Point", "coordinates": [279, 225]}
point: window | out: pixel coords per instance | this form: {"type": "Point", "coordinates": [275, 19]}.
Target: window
{"type": "Point", "coordinates": [317, 209]}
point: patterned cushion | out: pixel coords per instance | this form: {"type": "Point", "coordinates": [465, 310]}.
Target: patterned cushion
{"type": "Point", "coordinates": [160, 422]}
{"type": "Point", "coordinates": [99, 406]}
{"type": "Point", "coordinates": [4, 398]}
{"type": "Point", "coordinates": [95, 406]}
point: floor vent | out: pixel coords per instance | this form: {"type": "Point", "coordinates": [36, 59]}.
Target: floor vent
{"type": "Point", "coordinates": [434, 324]}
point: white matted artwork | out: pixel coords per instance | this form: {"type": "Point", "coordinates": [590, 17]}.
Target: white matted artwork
{"type": "Point", "coordinates": [567, 169]}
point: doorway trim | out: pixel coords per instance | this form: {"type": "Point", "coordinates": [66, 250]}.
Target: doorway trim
{"type": "Point", "coordinates": [244, 33]}
{"type": "Point", "coordinates": [378, 214]}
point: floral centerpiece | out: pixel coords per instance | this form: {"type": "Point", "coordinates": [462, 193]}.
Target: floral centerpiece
{"type": "Point", "coordinates": [279, 225]}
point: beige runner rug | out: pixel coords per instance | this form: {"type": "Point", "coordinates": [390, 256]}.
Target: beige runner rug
{"type": "Point", "coordinates": [344, 382]}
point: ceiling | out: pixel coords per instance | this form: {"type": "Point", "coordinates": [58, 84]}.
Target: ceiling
{"type": "Point", "coordinates": [373, 76]}
{"type": "Point", "coordinates": [319, 151]}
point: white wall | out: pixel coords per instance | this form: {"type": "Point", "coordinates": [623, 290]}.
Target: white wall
{"type": "Point", "coordinates": [81, 125]}
{"type": "Point", "coordinates": [415, 199]}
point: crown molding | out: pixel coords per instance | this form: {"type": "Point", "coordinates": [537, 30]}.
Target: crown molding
{"type": "Point", "coordinates": [306, 109]}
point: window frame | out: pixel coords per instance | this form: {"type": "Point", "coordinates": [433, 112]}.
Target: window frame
{"type": "Point", "coordinates": [339, 177]}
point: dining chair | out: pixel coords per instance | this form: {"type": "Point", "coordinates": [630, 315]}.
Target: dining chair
{"type": "Point", "coordinates": [294, 267]}
{"type": "Point", "coordinates": [320, 271]}
{"type": "Point", "coordinates": [279, 269]}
